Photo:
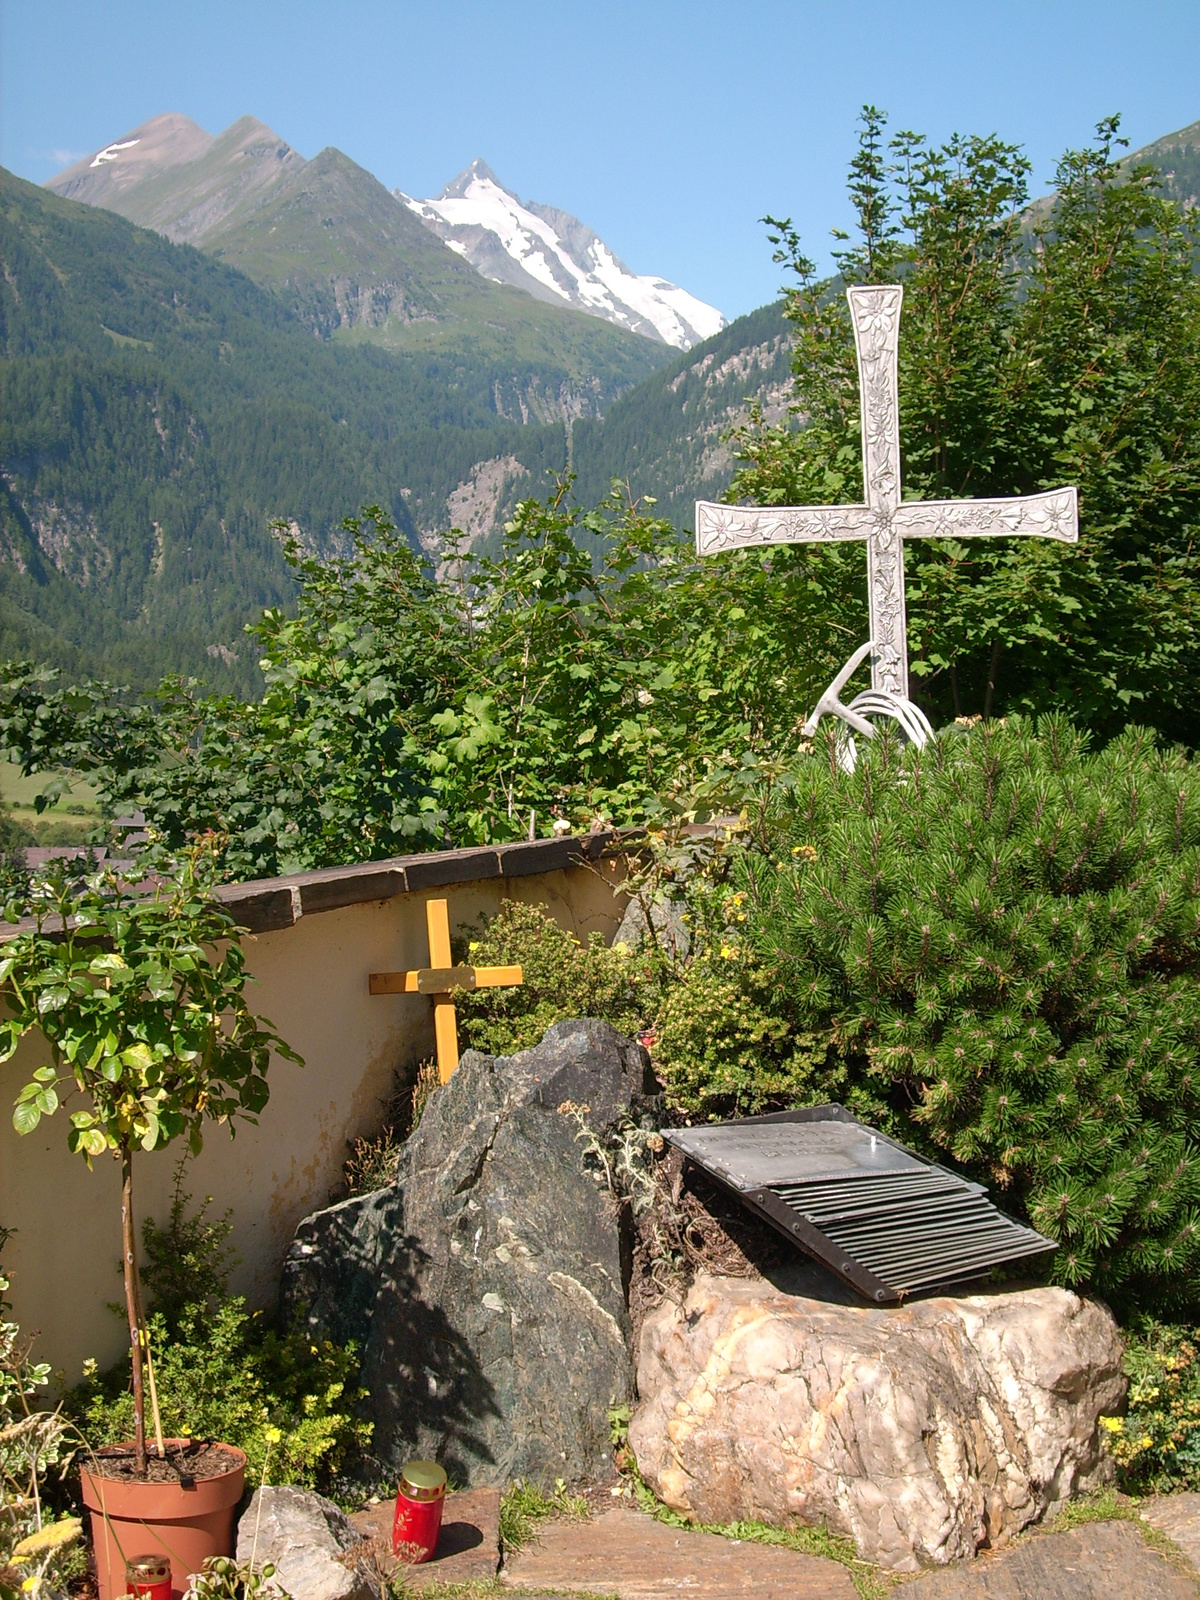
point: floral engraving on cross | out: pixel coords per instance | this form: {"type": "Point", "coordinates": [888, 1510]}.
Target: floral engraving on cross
{"type": "Point", "coordinates": [885, 521]}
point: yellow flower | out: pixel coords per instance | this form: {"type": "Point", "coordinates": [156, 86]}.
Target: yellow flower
{"type": "Point", "coordinates": [52, 1537]}
{"type": "Point", "coordinates": [1113, 1424]}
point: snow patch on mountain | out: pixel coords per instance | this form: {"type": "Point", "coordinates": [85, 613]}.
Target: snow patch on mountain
{"type": "Point", "coordinates": [557, 258]}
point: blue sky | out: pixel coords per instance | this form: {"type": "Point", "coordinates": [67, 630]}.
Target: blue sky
{"type": "Point", "coordinates": [668, 127]}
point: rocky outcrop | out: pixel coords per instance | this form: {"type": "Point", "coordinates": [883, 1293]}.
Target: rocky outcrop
{"type": "Point", "coordinates": [921, 1431]}
{"type": "Point", "coordinates": [313, 1546]}
{"type": "Point", "coordinates": [486, 1289]}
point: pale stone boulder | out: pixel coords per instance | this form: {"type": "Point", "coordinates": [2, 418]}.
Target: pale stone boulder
{"type": "Point", "coordinates": [316, 1551]}
{"type": "Point", "coordinates": [921, 1432]}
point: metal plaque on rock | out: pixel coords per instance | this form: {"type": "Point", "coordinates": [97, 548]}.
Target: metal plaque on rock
{"type": "Point", "coordinates": [883, 1219]}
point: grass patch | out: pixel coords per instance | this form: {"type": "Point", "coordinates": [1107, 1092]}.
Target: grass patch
{"type": "Point", "coordinates": [523, 1509]}
{"type": "Point", "coordinates": [20, 792]}
{"type": "Point", "coordinates": [1107, 1506]}
{"type": "Point", "coordinates": [871, 1582]}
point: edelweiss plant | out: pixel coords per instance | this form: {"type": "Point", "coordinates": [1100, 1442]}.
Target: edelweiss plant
{"type": "Point", "coordinates": [139, 1000]}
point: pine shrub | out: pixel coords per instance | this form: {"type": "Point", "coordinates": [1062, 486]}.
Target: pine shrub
{"type": "Point", "coordinates": [1000, 938]}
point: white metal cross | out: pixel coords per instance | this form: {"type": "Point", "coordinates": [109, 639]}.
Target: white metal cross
{"type": "Point", "coordinates": [884, 522]}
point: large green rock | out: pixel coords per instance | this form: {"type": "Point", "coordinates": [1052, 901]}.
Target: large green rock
{"type": "Point", "coordinates": [486, 1287]}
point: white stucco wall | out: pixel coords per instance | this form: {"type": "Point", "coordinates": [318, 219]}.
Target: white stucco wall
{"type": "Point", "coordinates": [64, 1255]}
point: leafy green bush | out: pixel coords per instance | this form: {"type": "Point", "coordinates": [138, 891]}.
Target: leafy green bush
{"type": "Point", "coordinates": [1038, 346]}
{"type": "Point", "coordinates": [1000, 937]}
{"type": "Point", "coordinates": [594, 662]}
{"type": "Point", "coordinates": [723, 1043]}
{"type": "Point", "coordinates": [188, 1262]}
{"type": "Point", "coordinates": [563, 979]}
{"type": "Point", "coordinates": [1156, 1444]}
{"type": "Point", "coordinates": [225, 1375]}
{"type": "Point", "coordinates": [221, 1372]}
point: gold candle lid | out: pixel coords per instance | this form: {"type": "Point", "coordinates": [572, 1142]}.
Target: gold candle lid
{"type": "Point", "coordinates": [423, 1480]}
{"type": "Point", "coordinates": [147, 1569]}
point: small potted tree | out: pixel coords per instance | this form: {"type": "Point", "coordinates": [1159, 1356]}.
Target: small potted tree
{"type": "Point", "coordinates": [139, 997]}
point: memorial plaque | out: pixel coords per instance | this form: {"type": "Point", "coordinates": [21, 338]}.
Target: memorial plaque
{"type": "Point", "coordinates": [883, 1219]}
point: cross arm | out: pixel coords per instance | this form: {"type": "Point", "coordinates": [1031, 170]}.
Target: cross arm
{"type": "Point", "coordinates": [1051, 515]}
{"type": "Point", "coordinates": [720, 527]}
{"type": "Point", "coordinates": [442, 980]}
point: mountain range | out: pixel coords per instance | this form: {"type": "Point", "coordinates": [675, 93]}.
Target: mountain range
{"type": "Point", "coordinates": [255, 335]}
{"type": "Point", "coordinates": [1177, 157]}
{"type": "Point", "coordinates": [158, 408]}
{"type": "Point", "coordinates": [348, 255]}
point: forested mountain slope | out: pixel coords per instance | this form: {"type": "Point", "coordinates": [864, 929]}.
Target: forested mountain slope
{"type": "Point", "coordinates": [157, 409]}
{"type": "Point", "coordinates": [1177, 157]}
{"type": "Point", "coordinates": [667, 437]}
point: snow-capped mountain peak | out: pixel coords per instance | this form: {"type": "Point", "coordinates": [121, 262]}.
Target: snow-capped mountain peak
{"type": "Point", "coordinates": [557, 258]}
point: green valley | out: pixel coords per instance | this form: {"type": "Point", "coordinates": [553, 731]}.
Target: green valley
{"type": "Point", "coordinates": [158, 408]}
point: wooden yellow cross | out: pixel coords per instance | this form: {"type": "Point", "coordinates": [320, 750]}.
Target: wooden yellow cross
{"type": "Point", "coordinates": [439, 980]}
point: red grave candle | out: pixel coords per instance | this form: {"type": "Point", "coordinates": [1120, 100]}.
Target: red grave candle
{"type": "Point", "coordinates": [149, 1577]}
{"type": "Point", "coordinates": [418, 1519]}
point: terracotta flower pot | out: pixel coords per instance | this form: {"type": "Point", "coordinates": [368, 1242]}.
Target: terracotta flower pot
{"type": "Point", "coordinates": [185, 1525]}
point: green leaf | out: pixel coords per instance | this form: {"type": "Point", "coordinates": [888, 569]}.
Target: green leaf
{"type": "Point", "coordinates": [109, 962]}
{"type": "Point", "coordinates": [26, 1116]}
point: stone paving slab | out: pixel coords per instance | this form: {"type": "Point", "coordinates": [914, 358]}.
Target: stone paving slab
{"type": "Point", "coordinates": [1100, 1561]}
{"type": "Point", "coordinates": [628, 1554]}
{"type": "Point", "coordinates": [469, 1547]}
{"type": "Point", "coordinates": [1178, 1516]}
